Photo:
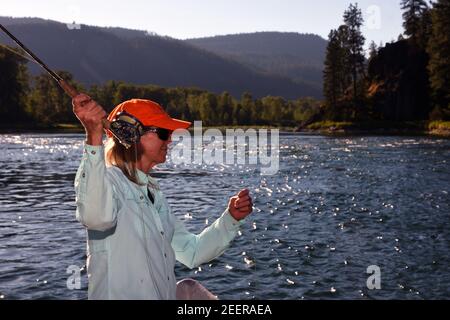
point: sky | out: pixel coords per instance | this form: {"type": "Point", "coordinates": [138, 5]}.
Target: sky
{"type": "Point", "coordinates": [183, 19]}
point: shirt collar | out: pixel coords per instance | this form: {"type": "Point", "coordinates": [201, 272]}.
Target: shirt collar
{"type": "Point", "coordinates": [142, 177]}
{"type": "Point", "coordinates": [145, 178]}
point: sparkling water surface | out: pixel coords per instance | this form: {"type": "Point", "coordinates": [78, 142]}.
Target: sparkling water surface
{"type": "Point", "coordinates": [336, 207]}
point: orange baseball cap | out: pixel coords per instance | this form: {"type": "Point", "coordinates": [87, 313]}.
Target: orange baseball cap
{"type": "Point", "coordinates": [149, 113]}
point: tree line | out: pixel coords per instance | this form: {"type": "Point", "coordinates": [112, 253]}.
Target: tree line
{"type": "Point", "coordinates": [40, 101]}
{"type": "Point", "coordinates": [348, 84]}
{"type": "Point", "coordinates": [352, 82]}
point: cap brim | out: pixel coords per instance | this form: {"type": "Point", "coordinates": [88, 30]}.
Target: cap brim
{"type": "Point", "coordinates": [173, 124]}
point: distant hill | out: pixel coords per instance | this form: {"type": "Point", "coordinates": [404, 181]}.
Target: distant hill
{"type": "Point", "coordinates": [96, 55]}
{"type": "Point", "coordinates": [294, 55]}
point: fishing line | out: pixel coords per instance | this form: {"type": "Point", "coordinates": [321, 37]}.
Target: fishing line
{"type": "Point", "coordinates": [125, 137]}
{"type": "Point", "coordinates": [69, 90]}
{"type": "Point", "coordinates": [254, 245]}
{"type": "Point", "coordinates": [255, 277]}
{"type": "Point", "coordinates": [17, 53]}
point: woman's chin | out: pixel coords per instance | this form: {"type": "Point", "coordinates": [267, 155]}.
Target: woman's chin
{"type": "Point", "coordinates": [164, 158]}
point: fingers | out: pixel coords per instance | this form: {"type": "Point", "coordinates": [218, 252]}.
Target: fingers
{"type": "Point", "coordinates": [241, 203]}
{"type": "Point", "coordinates": [244, 201]}
{"type": "Point", "coordinates": [243, 193]}
{"type": "Point", "coordinates": [90, 114]}
{"type": "Point", "coordinates": [245, 210]}
{"type": "Point", "coordinates": [94, 108]}
{"type": "Point", "coordinates": [85, 105]}
{"type": "Point", "coordinates": [79, 102]}
{"type": "Point", "coordinates": [80, 99]}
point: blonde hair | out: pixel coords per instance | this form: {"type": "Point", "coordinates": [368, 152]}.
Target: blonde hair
{"type": "Point", "coordinates": [124, 159]}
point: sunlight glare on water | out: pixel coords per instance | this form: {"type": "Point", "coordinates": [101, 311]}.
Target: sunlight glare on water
{"type": "Point", "coordinates": [336, 206]}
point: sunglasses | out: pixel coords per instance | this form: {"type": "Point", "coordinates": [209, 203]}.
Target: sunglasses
{"type": "Point", "coordinates": [163, 134]}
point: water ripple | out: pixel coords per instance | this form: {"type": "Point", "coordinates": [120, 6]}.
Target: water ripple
{"type": "Point", "coordinates": [337, 206]}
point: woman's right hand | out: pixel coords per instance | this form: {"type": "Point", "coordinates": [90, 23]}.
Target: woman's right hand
{"type": "Point", "coordinates": [90, 114]}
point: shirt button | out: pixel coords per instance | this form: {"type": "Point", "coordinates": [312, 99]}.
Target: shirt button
{"type": "Point", "coordinates": [162, 233]}
{"type": "Point", "coordinates": [165, 255]}
{"type": "Point", "coordinates": [168, 278]}
{"type": "Point", "coordinates": [83, 175]}
{"type": "Point", "coordinates": [141, 197]}
{"type": "Point", "coordinates": [93, 152]}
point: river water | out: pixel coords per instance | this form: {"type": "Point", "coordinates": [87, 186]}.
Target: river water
{"type": "Point", "coordinates": [336, 207]}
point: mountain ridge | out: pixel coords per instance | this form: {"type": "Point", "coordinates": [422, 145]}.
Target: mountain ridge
{"type": "Point", "coordinates": [89, 52]}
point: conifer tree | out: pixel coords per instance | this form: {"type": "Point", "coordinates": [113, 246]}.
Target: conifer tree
{"type": "Point", "coordinates": [414, 11]}
{"type": "Point", "coordinates": [353, 19]}
{"type": "Point", "coordinates": [439, 52]}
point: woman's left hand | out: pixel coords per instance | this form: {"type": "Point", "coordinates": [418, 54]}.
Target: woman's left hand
{"type": "Point", "coordinates": [240, 206]}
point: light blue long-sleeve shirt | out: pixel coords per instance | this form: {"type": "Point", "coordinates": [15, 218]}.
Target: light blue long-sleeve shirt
{"type": "Point", "coordinates": [132, 243]}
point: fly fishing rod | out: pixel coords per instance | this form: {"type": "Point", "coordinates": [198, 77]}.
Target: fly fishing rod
{"type": "Point", "coordinates": [71, 91]}
{"type": "Point", "coordinates": [127, 132]}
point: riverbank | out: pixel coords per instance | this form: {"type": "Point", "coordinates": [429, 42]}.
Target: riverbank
{"type": "Point", "coordinates": [78, 128]}
{"type": "Point", "coordinates": [33, 128]}
{"type": "Point", "coordinates": [431, 128]}
{"type": "Point", "coordinates": [327, 128]}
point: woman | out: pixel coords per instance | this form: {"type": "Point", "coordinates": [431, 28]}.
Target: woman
{"type": "Point", "coordinates": [133, 237]}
